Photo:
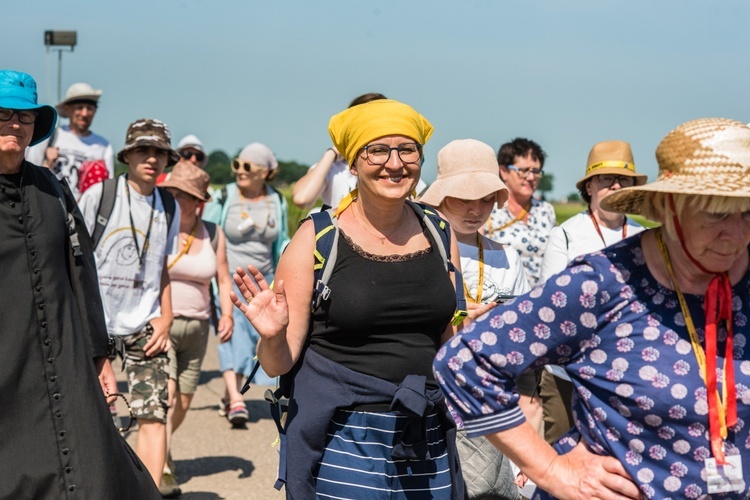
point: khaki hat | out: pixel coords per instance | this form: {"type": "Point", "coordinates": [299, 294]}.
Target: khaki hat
{"type": "Point", "coordinates": [149, 132]}
{"type": "Point", "coordinates": [708, 156]}
{"type": "Point", "coordinates": [611, 157]}
{"type": "Point", "coordinates": [467, 169]}
{"type": "Point", "coordinates": [187, 177]}
{"type": "Point", "coordinates": [78, 92]}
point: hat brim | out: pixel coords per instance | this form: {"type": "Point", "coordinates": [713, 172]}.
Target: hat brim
{"type": "Point", "coordinates": [85, 97]}
{"type": "Point", "coordinates": [465, 186]}
{"type": "Point", "coordinates": [186, 188]}
{"type": "Point", "coordinates": [173, 156]}
{"type": "Point", "coordinates": [629, 200]}
{"type": "Point", "coordinates": [45, 121]}
{"type": "Point", "coordinates": [640, 179]}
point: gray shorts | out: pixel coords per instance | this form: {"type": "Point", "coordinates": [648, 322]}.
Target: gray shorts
{"type": "Point", "coordinates": [189, 340]}
{"type": "Point", "coordinates": [147, 377]}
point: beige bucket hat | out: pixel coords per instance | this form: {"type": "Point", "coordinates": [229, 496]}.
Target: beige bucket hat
{"type": "Point", "coordinates": [78, 92]}
{"type": "Point", "coordinates": [708, 156]}
{"type": "Point", "coordinates": [467, 169]}
{"type": "Point", "coordinates": [611, 157]}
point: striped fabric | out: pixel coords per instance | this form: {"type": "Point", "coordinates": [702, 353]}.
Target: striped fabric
{"type": "Point", "coordinates": [357, 460]}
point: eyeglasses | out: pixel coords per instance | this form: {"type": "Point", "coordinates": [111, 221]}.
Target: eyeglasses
{"type": "Point", "coordinates": [379, 154]}
{"type": "Point", "coordinates": [525, 172]}
{"type": "Point", "coordinates": [25, 116]}
{"type": "Point", "coordinates": [247, 166]}
{"type": "Point", "coordinates": [187, 154]}
{"type": "Point", "coordinates": [609, 180]}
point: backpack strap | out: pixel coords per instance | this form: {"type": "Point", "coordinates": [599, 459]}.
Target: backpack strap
{"type": "Point", "coordinates": [106, 204]}
{"type": "Point", "coordinates": [567, 241]}
{"type": "Point", "coordinates": [170, 206]}
{"type": "Point", "coordinates": [441, 233]}
{"type": "Point", "coordinates": [70, 222]}
{"type": "Point", "coordinates": [325, 253]}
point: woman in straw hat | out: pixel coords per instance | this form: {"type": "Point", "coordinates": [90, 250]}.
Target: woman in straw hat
{"type": "Point", "coordinates": [652, 332]}
{"type": "Point", "coordinates": [610, 167]}
{"type": "Point", "coordinates": [200, 257]}
{"type": "Point", "coordinates": [368, 350]}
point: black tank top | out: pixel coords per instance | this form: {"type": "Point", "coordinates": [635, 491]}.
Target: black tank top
{"type": "Point", "coordinates": [386, 314]}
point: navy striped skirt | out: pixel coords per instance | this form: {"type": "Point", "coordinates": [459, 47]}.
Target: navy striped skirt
{"type": "Point", "coordinates": [357, 460]}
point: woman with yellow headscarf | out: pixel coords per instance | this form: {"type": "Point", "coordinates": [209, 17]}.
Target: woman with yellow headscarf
{"type": "Point", "coordinates": [366, 418]}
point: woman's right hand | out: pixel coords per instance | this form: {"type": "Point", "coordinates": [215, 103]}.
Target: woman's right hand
{"type": "Point", "coordinates": [266, 309]}
{"type": "Point", "coordinates": [581, 474]}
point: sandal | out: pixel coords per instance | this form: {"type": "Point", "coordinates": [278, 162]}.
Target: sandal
{"type": "Point", "coordinates": [238, 414]}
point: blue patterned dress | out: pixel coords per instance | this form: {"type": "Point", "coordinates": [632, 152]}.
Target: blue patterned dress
{"type": "Point", "coordinates": [621, 337]}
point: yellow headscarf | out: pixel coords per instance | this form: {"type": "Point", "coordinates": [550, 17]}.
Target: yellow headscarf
{"type": "Point", "coordinates": [354, 127]}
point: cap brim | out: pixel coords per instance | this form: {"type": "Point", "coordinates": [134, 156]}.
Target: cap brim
{"type": "Point", "coordinates": [187, 189]}
{"type": "Point", "coordinates": [629, 200]}
{"type": "Point", "coordinates": [640, 179]}
{"type": "Point", "coordinates": [86, 97]}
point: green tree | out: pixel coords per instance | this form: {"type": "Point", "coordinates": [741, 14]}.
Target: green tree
{"type": "Point", "coordinates": [545, 184]}
{"type": "Point", "coordinates": [218, 167]}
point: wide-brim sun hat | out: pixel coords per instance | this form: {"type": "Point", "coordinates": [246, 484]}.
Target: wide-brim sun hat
{"type": "Point", "coordinates": [18, 91]}
{"type": "Point", "coordinates": [188, 178]}
{"type": "Point", "coordinates": [611, 157]}
{"type": "Point", "coordinates": [707, 157]}
{"type": "Point", "coordinates": [467, 169]}
{"type": "Point", "coordinates": [78, 92]}
{"type": "Point", "coordinates": [149, 132]}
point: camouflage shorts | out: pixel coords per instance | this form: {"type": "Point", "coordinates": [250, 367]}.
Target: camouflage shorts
{"type": "Point", "coordinates": [147, 377]}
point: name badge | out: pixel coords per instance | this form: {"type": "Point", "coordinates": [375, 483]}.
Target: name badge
{"type": "Point", "coordinates": [724, 478]}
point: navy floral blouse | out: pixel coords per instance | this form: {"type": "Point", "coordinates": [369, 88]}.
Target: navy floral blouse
{"type": "Point", "coordinates": [621, 337]}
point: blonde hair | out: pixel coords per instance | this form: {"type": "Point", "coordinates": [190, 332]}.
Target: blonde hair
{"type": "Point", "coordinates": [657, 207]}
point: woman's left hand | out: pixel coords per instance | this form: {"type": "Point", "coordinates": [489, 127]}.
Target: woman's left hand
{"type": "Point", "coordinates": [266, 309]}
{"type": "Point", "coordinates": [225, 329]}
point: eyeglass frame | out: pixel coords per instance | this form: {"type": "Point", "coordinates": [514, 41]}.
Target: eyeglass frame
{"type": "Point", "coordinates": [18, 112]}
{"type": "Point", "coordinates": [616, 178]}
{"type": "Point", "coordinates": [398, 153]}
{"type": "Point", "coordinates": [199, 155]}
{"type": "Point", "coordinates": [247, 166]}
{"type": "Point", "coordinates": [524, 172]}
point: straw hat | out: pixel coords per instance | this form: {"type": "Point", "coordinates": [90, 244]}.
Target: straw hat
{"type": "Point", "coordinates": [187, 177]}
{"type": "Point", "coordinates": [611, 157]}
{"type": "Point", "coordinates": [467, 169]}
{"type": "Point", "coordinates": [709, 156]}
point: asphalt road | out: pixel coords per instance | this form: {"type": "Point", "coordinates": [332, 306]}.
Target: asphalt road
{"type": "Point", "coordinates": [214, 461]}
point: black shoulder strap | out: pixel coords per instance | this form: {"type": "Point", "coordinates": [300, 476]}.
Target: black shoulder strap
{"type": "Point", "coordinates": [106, 204]}
{"type": "Point", "coordinates": [213, 234]}
{"type": "Point", "coordinates": [325, 253]}
{"type": "Point", "coordinates": [223, 199]}
{"type": "Point", "coordinates": [567, 241]}
{"type": "Point", "coordinates": [169, 205]}
{"type": "Point", "coordinates": [70, 222]}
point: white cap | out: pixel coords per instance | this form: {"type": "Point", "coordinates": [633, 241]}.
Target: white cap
{"type": "Point", "coordinates": [190, 141]}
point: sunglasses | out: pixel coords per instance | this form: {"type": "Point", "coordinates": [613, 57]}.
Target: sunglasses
{"type": "Point", "coordinates": [187, 154]}
{"type": "Point", "coordinates": [247, 166]}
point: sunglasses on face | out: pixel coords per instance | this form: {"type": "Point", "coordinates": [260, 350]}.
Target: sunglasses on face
{"type": "Point", "coordinates": [610, 179]}
{"type": "Point", "coordinates": [187, 154]}
{"type": "Point", "coordinates": [26, 117]}
{"type": "Point", "coordinates": [247, 167]}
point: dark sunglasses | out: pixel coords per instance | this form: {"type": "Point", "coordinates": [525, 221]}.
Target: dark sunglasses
{"type": "Point", "coordinates": [187, 154]}
{"type": "Point", "coordinates": [247, 166]}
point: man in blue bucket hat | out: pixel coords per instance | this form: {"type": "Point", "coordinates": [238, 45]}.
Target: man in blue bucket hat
{"type": "Point", "coordinates": [56, 434]}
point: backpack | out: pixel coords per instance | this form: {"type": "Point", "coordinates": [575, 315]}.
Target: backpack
{"type": "Point", "coordinates": [325, 253]}
{"type": "Point", "coordinates": [107, 203]}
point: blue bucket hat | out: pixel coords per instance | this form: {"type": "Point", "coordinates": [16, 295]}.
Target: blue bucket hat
{"type": "Point", "coordinates": [18, 91]}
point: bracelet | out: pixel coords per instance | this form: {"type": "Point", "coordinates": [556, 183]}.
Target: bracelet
{"type": "Point", "coordinates": [335, 154]}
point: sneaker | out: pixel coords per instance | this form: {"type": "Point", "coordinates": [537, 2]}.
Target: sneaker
{"type": "Point", "coordinates": [238, 414]}
{"type": "Point", "coordinates": [169, 488]}
{"type": "Point", "coordinates": [223, 407]}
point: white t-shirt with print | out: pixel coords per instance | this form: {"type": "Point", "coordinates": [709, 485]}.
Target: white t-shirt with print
{"type": "Point", "coordinates": [503, 272]}
{"type": "Point", "coordinates": [74, 150]}
{"type": "Point", "coordinates": [130, 291]}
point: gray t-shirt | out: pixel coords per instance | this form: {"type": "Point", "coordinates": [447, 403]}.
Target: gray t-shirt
{"type": "Point", "coordinates": [254, 245]}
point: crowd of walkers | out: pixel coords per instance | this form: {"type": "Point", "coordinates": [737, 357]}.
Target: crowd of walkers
{"type": "Point", "coordinates": [444, 341]}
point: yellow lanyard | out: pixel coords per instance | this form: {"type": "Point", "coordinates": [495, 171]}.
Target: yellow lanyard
{"type": "Point", "coordinates": [480, 282]}
{"type": "Point", "coordinates": [186, 248]}
{"type": "Point", "coordinates": [491, 230]}
{"type": "Point", "coordinates": [700, 354]}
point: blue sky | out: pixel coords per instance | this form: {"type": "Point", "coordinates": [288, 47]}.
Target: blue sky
{"type": "Point", "coordinates": [565, 74]}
